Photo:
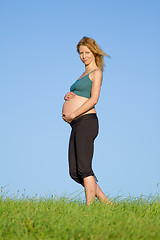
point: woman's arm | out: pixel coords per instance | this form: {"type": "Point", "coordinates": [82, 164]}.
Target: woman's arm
{"type": "Point", "coordinates": [95, 92]}
{"type": "Point", "coordinates": [92, 101]}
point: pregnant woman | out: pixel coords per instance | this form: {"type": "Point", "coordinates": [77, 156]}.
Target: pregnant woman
{"type": "Point", "coordinates": [79, 111]}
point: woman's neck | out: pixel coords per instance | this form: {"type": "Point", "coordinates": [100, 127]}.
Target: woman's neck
{"type": "Point", "coordinates": [90, 67]}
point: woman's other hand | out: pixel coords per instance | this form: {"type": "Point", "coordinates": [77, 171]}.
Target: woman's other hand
{"type": "Point", "coordinates": [69, 95]}
{"type": "Point", "coordinates": [68, 117]}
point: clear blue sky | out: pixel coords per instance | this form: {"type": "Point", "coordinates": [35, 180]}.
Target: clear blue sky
{"type": "Point", "coordinates": [38, 64]}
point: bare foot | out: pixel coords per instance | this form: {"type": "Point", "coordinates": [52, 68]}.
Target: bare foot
{"type": "Point", "coordinates": [109, 202]}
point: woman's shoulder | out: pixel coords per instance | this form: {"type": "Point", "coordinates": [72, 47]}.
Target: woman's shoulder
{"type": "Point", "coordinates": [97, 72]}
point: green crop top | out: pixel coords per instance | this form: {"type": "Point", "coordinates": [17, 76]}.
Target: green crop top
{"type": "Point", "coordinates": [82, 86]}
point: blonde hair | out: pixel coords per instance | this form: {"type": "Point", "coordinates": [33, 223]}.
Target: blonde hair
{"type": "Point", "coordinates": [95, 49]}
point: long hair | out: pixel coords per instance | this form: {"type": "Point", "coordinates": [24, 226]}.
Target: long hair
{"type": "Point", "coordinates": [95, 49]}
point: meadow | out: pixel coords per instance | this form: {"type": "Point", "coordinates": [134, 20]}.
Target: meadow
{"type": "Point", "coordinates": [70, 219]}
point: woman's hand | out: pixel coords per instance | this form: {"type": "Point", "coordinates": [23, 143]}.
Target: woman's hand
{"type": "Point", "coordinates": [69, 95]}
{"type": "Point", "coordinates": [67, 117]}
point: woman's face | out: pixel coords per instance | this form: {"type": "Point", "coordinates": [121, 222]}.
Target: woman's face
{"type": "Point", "coordinates": [86, 55]}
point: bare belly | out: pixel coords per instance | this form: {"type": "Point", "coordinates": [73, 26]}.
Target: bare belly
{"type": "Point", "coordinates": [74, 103]}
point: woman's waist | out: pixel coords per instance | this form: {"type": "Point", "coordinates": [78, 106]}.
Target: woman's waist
{"type": "Point", "coordinates": [92, 110]}
{"type": "Point", "coordinates": [83, 117]}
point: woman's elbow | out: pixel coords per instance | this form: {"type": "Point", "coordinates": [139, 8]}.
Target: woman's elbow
{"type": "Point", "coordinates": [94, 101]}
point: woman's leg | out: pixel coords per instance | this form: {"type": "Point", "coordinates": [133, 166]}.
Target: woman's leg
{"type": "Point", "coordinates": [72, 158]}
{"type": "Point", "coordinates": [86, 132]}
{"type": "Point", "coordinates": [90, 189]}
{"type": "Point", "coordinates": [93, 190]}
{"type": "Point", "coordinates": [101, 196]}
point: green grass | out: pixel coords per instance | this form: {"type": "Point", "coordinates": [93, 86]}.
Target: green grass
{"type": "Point", "coordinates": [53, 218]}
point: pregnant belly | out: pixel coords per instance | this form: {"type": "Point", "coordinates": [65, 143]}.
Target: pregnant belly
{"type": "Point", "coordinates": [74, 103]}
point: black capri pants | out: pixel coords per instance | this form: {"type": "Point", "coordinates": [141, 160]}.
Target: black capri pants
{"type": "Point", "coordinates": [81, 146]}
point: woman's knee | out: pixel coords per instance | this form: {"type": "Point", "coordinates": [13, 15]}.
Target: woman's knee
{"type": "Point", "coordinates": [85, 173]}
{"type": "Point", "coordinates": [75, 177]}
